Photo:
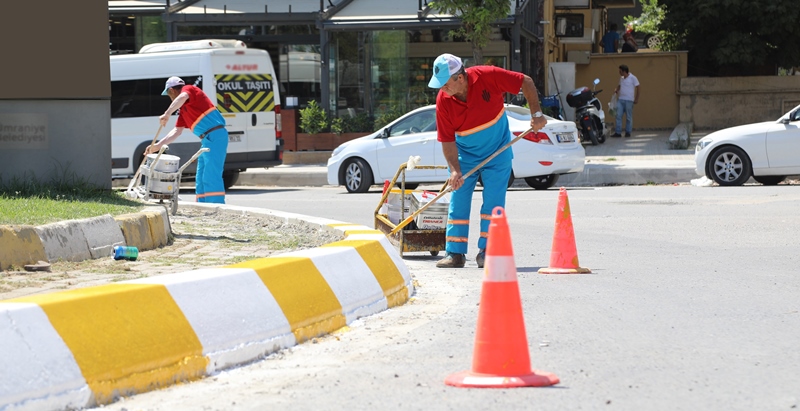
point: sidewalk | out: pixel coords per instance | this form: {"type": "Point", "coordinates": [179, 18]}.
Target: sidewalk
{"type": "Point", "coordinates": [644, 158]}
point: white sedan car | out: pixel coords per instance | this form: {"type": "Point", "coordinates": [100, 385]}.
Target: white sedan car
{"type": "Point", "coordinates": [369, 160]}
{"type": "Point", "coordinates": [769, 152]}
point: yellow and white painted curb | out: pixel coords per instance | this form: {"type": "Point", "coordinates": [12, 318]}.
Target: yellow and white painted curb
{"type": "Point", "coordinates": [85, 347]}
{"type": "Point", "coordinates": [78, 240]}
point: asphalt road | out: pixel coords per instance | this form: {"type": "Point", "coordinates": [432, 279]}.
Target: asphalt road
{"type": "Point", "coordinates": [691, 305]}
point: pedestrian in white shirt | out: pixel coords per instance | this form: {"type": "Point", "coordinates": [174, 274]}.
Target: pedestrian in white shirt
{"type": "Point", "coordinates": [627, 95]}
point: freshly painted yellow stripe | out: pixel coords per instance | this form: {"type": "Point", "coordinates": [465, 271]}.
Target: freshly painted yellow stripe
{"type": "Point", "coordinates": [307, 301]}
{"type": "Point", "coordinates": [362, 231]}
{"type": "Point", "coordinates": [126, 338]}
{"type": "Point", "coordinates": [382, 267]}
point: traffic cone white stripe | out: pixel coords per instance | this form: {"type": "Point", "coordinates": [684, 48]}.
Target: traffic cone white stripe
{"type": "Point", "coordinates": [500, 269]}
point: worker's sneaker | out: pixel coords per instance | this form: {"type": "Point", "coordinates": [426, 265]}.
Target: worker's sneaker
{"type": "Point", "coordinates": [627, 134]}
{"type": "Point", "coordinates": [452, 260]}
{"type": "Point", "coordinates": [481, 257]}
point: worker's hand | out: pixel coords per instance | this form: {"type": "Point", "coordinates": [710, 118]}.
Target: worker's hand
{"type": "Point", "coordinates": [163, 119]}
{"type": "Point", "coordinates": [456, 180]}
{"type": "Point", "coordinates": [538, 123]}
{"type": "Point", "coordinates": [152, 149]}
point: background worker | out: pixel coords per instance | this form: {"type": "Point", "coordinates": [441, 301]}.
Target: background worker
{"type": "Point", "coordinates": [199, 114]}
{"type": "Point", "coordinates": [627, 95]}
{"type": "Point", "coordinates": [472, 125]}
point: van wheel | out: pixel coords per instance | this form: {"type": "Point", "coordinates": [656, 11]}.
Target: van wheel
{"type": "Point", "coordinates": [357, 176]}
{"type": "Point", "coordinates": [229, 178]}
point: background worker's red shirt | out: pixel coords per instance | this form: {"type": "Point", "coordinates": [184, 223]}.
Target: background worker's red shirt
{"type": "Point", "coordinates": [486, 90]}
{"type": "Point", "coordinates": [194, 109]}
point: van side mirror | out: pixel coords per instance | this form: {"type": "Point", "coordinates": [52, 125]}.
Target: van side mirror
{"type": "Point", "coordinates": [386, 132]}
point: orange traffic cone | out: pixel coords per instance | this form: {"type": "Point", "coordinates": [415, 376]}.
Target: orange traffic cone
{"type": "Point", "coordinates": [500, 357]}
{"type": "Point", "coordinates": [564, 254]}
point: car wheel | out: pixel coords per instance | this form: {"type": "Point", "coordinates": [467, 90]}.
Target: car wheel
{"type": "Point", "coordinates": [728, 166]}
{"type": "Point", "coordinates": [357, 176]}
{"type": "Point", "coordinates": [409, 186]}
{"type": "Point", "coordinates": [769, 180]}
{"type": "Point", "coordinates": [653, 42]}
{"type": "Point", "coordinates": [230, 178]}
{"type": "Point", "coordinates": [542, 182]}
{"type": "Point", "coordinates": [511, 179]}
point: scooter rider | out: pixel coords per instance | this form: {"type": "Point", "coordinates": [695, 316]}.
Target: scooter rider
{"type": "Point", "coordinates": [472, 125]}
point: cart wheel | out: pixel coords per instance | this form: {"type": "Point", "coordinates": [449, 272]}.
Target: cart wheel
{"type": "Point", "coordinates": [434, 253]}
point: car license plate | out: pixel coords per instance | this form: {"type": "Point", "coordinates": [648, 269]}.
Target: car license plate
{"type": "Point", "coordinates": [565, 137]}
{"type": "Point", "coordinates": [234, 138]}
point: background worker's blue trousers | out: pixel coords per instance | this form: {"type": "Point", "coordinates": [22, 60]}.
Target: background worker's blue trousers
{"type": "Point", "coordinates": [208, 183]}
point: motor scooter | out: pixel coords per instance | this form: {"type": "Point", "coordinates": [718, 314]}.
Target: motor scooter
{"type": "Point", "coordinates": [589, 115]}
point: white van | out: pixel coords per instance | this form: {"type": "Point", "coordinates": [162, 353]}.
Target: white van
{"type": "Point", "coordinates": [241, 81]}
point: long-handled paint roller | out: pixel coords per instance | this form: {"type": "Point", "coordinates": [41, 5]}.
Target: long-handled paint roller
{"type": "Point", "coordinates": [129, 192]}
{"type": "Point", "coordinates": [450, 188]}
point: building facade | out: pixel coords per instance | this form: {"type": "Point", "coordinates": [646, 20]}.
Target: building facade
{"type": "Point", "coordinates": [351, 56]}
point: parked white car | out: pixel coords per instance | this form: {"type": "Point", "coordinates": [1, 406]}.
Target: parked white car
{"type": "Point", "coordinates": [370, 160]}
{"type": "Point", "coordinates": [768, 151]}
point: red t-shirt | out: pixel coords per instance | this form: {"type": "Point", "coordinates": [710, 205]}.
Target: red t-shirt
{"type": "Point", "coordinates": [194, 109]}
{"type": "Point", "coordinates": [486, 90]}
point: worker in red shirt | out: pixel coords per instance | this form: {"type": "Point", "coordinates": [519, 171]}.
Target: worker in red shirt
{"type": "Point", "coordinates": [202, 117]}
{"type": "Point", "coordinates": [472, 125]}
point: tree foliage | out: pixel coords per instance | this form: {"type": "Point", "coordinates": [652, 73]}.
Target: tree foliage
{"type": "Point", "coordinates": [477, 17]}
{"type": "Point", "coordinates": [735, 37]}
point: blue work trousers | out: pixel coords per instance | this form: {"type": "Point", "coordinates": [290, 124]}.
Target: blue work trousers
{"type": "Point", "coordinates": [208, 183]}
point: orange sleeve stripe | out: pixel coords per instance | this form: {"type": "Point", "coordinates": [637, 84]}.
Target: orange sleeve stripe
{"type": "Point", "coordinates": [486, 216]}
{"type": "Point", "coordinates": [456, 239]}
{"type": "Point", "coordinates": [458, 222]}
{"type": "Point", "coordinates": [482, 126]}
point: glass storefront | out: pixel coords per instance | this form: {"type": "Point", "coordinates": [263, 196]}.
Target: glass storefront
{"type": "Point", "coordinates": [371, 73]}
{"type": "Point", "coordinates": [128, 33]}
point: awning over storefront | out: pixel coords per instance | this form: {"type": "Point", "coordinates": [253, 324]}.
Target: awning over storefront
{"type": "Point", "coordinates": [250, 6]}
{"type": "Point", "coordinates": [136, 6]}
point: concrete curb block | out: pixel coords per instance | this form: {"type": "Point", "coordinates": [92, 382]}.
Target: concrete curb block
{"type": "Point", "coordinates": [283, 178]}
{"type": "Point", "coordinates": [102, 234]}
{"type": "Point", "coordinates": [20, 245]}
{"type": "Point", "coordinates": [146, 230]}
{"type": "Point", "coordinates": [64, 241]}
{"type": "Point", "coordinates": [78, 240]}
{"type": "Point", "coordinates": [85, 347]}
{"type": "Point", "coordinates": [600, 174]}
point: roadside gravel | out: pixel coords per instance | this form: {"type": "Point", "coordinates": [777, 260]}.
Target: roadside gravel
{"type": "Point", "coordinates": [201, 238]}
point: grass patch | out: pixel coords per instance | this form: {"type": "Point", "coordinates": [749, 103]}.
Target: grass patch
{"type": "Point", "coordinates": [26, 200]}
{"type": "Point", "coordinates": [611, 159]}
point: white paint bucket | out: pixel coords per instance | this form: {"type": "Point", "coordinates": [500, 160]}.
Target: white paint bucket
{"type": "Point", "coordinates": [166, 164]}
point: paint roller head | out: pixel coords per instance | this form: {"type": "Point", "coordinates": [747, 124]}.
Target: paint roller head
{"type": "Point", "coordinates": [130, 194]}
{"type": "Point", "coordinates": [412, 162]}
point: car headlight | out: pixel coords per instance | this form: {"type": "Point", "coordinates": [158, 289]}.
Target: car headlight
{"type": "Point", "coordinates": [703, 144]}
{"type": "Point", "coordinates": [337, 150]}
